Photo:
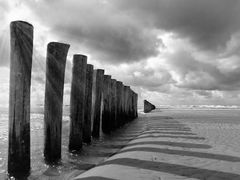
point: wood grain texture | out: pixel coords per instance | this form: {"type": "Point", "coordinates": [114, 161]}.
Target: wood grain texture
{"type": "Point", "coordinates": [98, 102]}
{"type": "Point", "coordinates": [55, 72]}
{"type": "Point", "coordinates": [88, 105]}
{"type": "Point", "coordinates": [77, 102]}
{"type": "Point", "coordinates": [19, 97]}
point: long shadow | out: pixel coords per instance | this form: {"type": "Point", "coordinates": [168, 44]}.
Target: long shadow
{"type": "Point", "coordinates": [174, 144]}
{"type": "Point", "coordinates": [167, 136]}
{"type": "Point", "coordinates": [168, 132]}
{"type": "Point", "coordinates": [185, 153]}
{"type": "Point", "coordinates": [167, 143]}
{"type": "Point", "coordinates": [181, 170]}
{"type": "Point", "coordinates": [166, 122]}
{"type": "Point", "coordinates": [170, 128]}
{"type": "Point", "coordinates": [162, 118]}
{"type": "Point", "coordinates": [94, 178]}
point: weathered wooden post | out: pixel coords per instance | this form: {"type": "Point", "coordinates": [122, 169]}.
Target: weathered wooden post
{"type": "Point", "coordinates": [55, 72]}
{"type": "Point", "coordinates": [97, 105]}
{"type": "Point", "coordinates": [119, 103]}
{"type": "Point", "coordinates": [77, 102]}
{"type": "Point", "coordinates": [106, 116]}
{"type": "Point", "coordinates": [122, 105]}
{"type": "Point", "coordinates": [135, 105]}
{"type": "Point", "coordinates": [93, 97]}
{"type": "Point", "coordinates": [148, 106]}
{"type": "Point", "coordinates": [125, 104]}
{"type": "Point", "coordinates": [87, 133]}
{"type": "Point", "coordinates": [132, 104]}
{"type": "Point", "coordinates": [128, 104]}
{"type": "Point", "coordinates": [113, 103]}
{"type": "Point", "coordinates": [19, 98]}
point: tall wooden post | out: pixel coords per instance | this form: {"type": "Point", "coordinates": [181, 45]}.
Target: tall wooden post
{"type": "Point", "coordinates": [106, 116]}
{"type": "Point", "coordinates": [97, 105]}
{"type": "Point", "coordinates": [113, 104]}
{"type": "Point", "coordinates": [19, 98]}
{"type": "Point", "coordinates": [55, 72]}
{"type": "Point", "coordinates": [122, 105]}
{"type": "Point", "coordinates": [135, 105]}
{"type": "Point", "coordinates": [128, 103]}
{"type": "Point", "coordinates": [125, 104]}
{"type": "Point", "coordinates": [132, 104]}
{"type": "Point", "coordinates": [93, 97]}
{"type": "Point", "coordinates": [119, 103]}
{"type": "Point", "coordinates": [88, 105]}
{"type": "Point", "coordinates": [77, 102]}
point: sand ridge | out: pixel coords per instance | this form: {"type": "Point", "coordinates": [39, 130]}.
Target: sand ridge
{"type": "Point", "coordinates": [170, 148]}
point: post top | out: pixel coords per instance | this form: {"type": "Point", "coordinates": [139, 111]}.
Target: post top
{"type": "Point", "coordinates": [100, 70]}
{"type": "Point", "coordinates": [82, 55]}
{"type": "Point", "coordinates": [107, 76]}
{"type": "Point", "coordinates": [58, 43]}
{"type": "Point", "coordinates": [90, 66]}
{"type": "Point", "coordinates": [21, 22]}
{"type": "Point", "coordinates": [119, 82]}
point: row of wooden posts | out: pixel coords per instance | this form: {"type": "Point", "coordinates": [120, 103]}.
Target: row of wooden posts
{"type": "Point", "coordinates": [97, 102]}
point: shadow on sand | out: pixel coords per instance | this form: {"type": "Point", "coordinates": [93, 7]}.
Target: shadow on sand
{"type": "Point", "coordinates": [169, 136]}
{"type": "Point", "coordinates": [181, 170]}
{"type": "Point", "coordinates": [185, 153]}
{"type": "Point", "coordinates": [168, 132]}
{"type": "Point", "coordinates": [174, 144]}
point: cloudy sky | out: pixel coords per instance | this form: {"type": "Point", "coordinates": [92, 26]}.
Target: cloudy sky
{"type": "Point", "coordinates": [169, 51]}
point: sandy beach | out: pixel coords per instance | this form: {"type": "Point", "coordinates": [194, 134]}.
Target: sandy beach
{"type": "Point", "coordinates": [178, 144]}
{"type": "Point", "coordinates": [164, 144]}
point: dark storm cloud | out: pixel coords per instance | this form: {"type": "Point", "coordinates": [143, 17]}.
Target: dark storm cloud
{"type": "Point", "coordinates": [207, 23]}
{"type": "Point", "coordinates": [206, 94]}
{"type": "Point", "coordinates": [101, 29]}
{"type": "Point", "coordinates": [203, 75]}
{"type": "Point", "coordinates": [151, 79]}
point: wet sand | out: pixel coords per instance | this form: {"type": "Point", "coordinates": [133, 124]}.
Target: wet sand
{"type": "Point", "coordinates": [72, 164]}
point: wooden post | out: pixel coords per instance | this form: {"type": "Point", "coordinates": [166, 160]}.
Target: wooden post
{"type": "Point", "coordinates": [122, 105]}
{"type": "Point", "coordinates": [128, 104]}
{"type": "Point", "coordinates": [132, 104]}
{"type": "Point", "coordinates": [93, 97]}
{"type": "Point", "coordinates": [125, 104]}
{"type": "Point", "coordinates": [55, 72]}
{"type": "Point", "coordinates": [135, 105]}
{"type": "Point", "coordinates": [113, 104]}
{"type": "Point", "coordinates": [106, 116]}
{"type": "Point", "coordinates": [77, 102]}
{"type": "Point", "coordinates": [19, 98]}
{"type": "Point", "coordinates": [97, 106]}
{"type": "Point", "coordinates": [88, 105]}
{"type": "Point", "coordinates": [119, 103]}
